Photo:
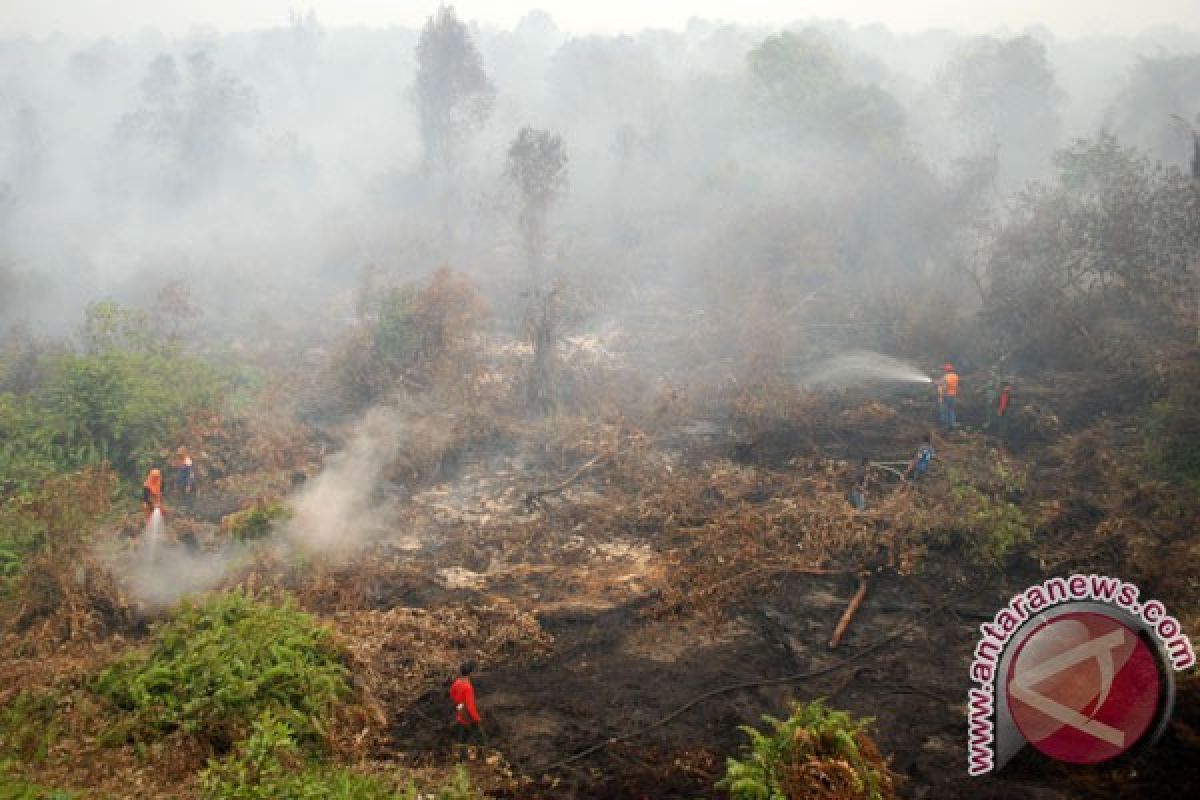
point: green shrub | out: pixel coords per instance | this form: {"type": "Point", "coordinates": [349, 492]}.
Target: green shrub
{"type": "Point", "coordinates": [123, 399]}
{"type": "Point", "coordinates": [216, 667]}
{"type": "Point", "coordinates": [815, 753]}
{"type": "Point", "coordinates": [20, 790]}
{"type": "Point", "coordinates": [256, 522]}
{"type": "Point", "coordinates": [55, 515]}
{"type": "Point", "coordinates": [27, 446]}
{"type": "Point", "coordinates": [15, 788]}
{"type": "Point", "coordinates": [991, 528]}
{"type": "Point", "coordinates": [29, 726]}
{"type": "Point", "coordinates": [397, 335]}
{"type": "Point", "coordinates": [418, 334]}
{"type": "Point", "coordinates": [20, 535]}
{"type": "Point", "coordinates": [125, 406]}
{"type": "Point", "coordinates": [269, 765]}
{"type": "Point", "coordinates": [121, 407]}
{"type": "Point", "coordinates": [987, 523]}
{"type": "Point", "coordinates": [458, 788]}
{"type": "Point", "coordinates": [1173, 435]}
{"type": "Point", "coordinates": [378, 349]}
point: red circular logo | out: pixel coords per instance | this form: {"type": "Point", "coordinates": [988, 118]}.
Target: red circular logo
{"type": "Point", "coordinates": [1083, 688]}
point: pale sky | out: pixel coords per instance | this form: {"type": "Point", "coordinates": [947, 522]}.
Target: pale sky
{"type": "Point", "coordinates": [1069, 18]}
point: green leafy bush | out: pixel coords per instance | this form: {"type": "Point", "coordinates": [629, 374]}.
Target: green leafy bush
{"type": "Point", "coordinates": [987, 523]}
{"type": "Point", "coordinates": [991, 528]}
{"type": "Point", "coordinates": [1173, 434]}
{"type": "Point", "coordinates": [123, 397]}
{"type": "Point", "coordinates": [255, 522]}
{"type": "Point", "coordinates": [216, 667]}
{"type": "Point", "coordinates": [20, 535]}
{"type": "Point", "coordinates": [13, 787]}
{"type": "Point", "coordinates": [380, 348]}
{"type": "Point", "coordinates": [29, 726]}
{"type": "Point", "coordinates": [125, 406]}
{"type": "Point", "coordinates": [55, 515]}
{"type": "Point", "coordinates": [817, 753]}
{"type": "Point", "coordinates": [418, 335]}
{"type": "Point", "coordinates": [27, 447]}
{"type": "Point", "coordinates": [269, 765]}
{"type": "Point", "coordinates": [122, 407]}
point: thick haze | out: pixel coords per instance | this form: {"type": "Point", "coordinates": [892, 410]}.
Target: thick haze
{"type": "Point", "coordinates": [268, 159]}
{"type": "Point", "coordinates": [1064, 17]}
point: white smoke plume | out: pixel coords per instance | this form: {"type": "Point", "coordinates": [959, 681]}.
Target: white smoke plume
{"type": "Point", "coordinates": [335, 511]}
{"type": "Point", "coordinates": [158, 577]}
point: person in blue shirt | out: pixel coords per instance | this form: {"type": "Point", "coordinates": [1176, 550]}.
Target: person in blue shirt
{"type": "Point", "coordinates": [860, 480]}
{"type": "Point", "coordinates": [920, 462]}
{"type": "Point", "coordinates": [185, 472]}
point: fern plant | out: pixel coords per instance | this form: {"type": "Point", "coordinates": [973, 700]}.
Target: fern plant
{"type": "Point", "coordinates": [216, 667]}
{"type": "Point", "coordinates": [816, 753]}
{"type": "Point", "coordinates": [270, 765]}
{"type": "Point", "coordinates": [255, 522]}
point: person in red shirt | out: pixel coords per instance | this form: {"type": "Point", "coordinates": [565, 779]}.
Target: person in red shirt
{"type": "Point", "coordinates": [1002, 407]}
{"type": "Point", "coordinates": [466, 715]}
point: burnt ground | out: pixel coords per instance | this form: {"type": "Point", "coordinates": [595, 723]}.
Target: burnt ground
{"type": "Point", "coordinates": [636, 702]}
{"type": "Point", "coordinates": [636, 699]}
{"type": "Point", "coordinates": [618, 671]}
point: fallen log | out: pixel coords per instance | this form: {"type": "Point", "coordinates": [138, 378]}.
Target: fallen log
{"type": "Point", "coordinates": [848, 614]}
{"type": "Point", "coordinates": [802, 676]}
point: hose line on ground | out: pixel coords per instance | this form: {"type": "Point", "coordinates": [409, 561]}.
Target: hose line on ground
{"type": "Point", "coordinates": [733, 687]}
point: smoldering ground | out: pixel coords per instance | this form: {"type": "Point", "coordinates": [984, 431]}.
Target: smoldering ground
{"type": "Point", "coordinates": [333, 515]}
{"type": "Point", "coordinates": [339, 510]}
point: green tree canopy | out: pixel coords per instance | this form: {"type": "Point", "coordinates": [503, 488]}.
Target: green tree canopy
{"type": "Point", "coordinates": [1102, 253]}
{"type": "Point", "coordinates": [803, 85]}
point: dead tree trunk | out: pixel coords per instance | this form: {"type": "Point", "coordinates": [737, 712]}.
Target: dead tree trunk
{"type": "Point", "coordinates": [542, 330]}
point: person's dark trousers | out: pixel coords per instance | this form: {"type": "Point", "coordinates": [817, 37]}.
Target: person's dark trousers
{"type": "Point", "coordinates": [471, 734]}
{"type": "Point", "coordinates": [468, 736]}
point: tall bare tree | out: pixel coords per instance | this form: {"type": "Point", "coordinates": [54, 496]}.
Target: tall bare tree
{"type": "Point", "coordinates": [537, 167]}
